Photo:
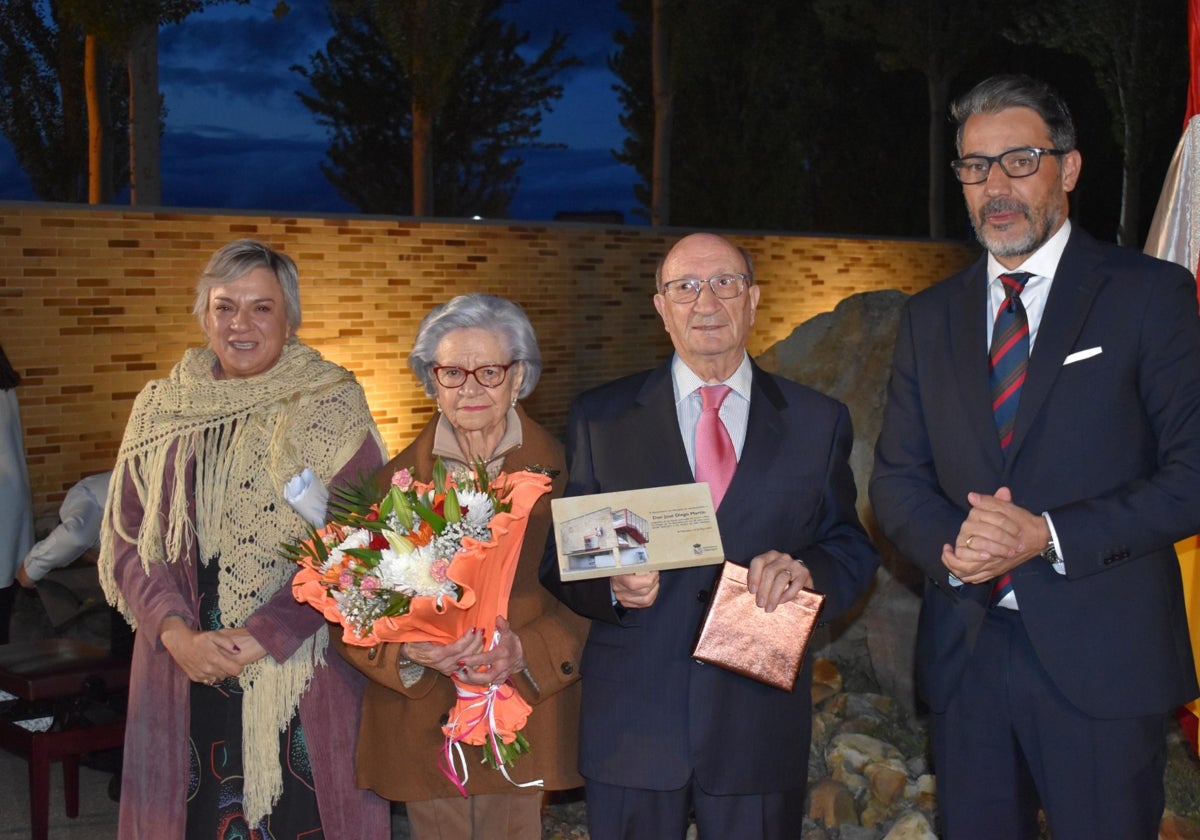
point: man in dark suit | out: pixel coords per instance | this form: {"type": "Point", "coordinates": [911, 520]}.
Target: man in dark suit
{"type": "Point", "coordinates": [661, 733]}
{"type": "Point", "coordinates": [1053, 642]}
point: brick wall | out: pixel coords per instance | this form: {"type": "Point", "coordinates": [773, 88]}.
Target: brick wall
{"type": "Point", "coordinates": [94, 302]}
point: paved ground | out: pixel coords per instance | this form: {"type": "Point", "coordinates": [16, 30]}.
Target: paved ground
{"type": "Point", "coordinates": [97, 819]}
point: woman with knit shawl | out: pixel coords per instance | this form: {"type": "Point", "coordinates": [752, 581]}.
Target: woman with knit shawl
{"type": "Point", "coordinates": [239, 723]}
{"type": "Point", "coordinates": [476, 355]}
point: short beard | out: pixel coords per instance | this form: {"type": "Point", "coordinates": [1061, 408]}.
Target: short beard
{"type": "Point", "coordinates": [1033, 239]}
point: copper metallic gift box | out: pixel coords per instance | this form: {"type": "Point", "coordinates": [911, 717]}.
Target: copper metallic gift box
{"type": "Point", "coordinates": [740, 636]}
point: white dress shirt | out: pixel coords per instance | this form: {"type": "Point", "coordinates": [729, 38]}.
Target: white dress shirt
{"type": "Point", "coordinates": [734, 413]}
{"type": "Point", "coordinates": [81, 512]}
{"type": "Point", "coordinates": [1042, 264]}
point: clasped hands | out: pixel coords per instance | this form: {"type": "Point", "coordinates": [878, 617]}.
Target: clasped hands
{"type": "Point", "coordinates": [466, 658]}
{"type": "Point", "coordinates": [773, 578]}
{"type": "Point", "coordinates": [209, 656]}
{"type": "Point", "coordinates": [996, 537]}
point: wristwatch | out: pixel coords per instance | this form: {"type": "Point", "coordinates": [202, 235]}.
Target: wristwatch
{"type": "Point", "coordinates": [1050, 552]}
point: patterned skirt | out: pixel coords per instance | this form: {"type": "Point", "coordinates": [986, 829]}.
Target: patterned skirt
{"type": "Point", "coordinates": [214, 809]}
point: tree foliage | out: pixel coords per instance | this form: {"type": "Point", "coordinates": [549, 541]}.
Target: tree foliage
{"type": "Point", "coordinates": [739, 149]}
{"type": "Point", "coordinates": [362, 91]}
{"type": "Point", "coordinates": [1137, 51]}
{"type": "Point", "coordinates": [937, 39]}
{"type": "Point", "coordinates": [44, 91]}
{"type": "Point", "coordinates": [430, 39]}
{"type": "Point", "coordinates": [765, 120]}
{"type": "Point", "coordinates": [838, 122]}
{"type": "Point", "coordinates": [42, 107]}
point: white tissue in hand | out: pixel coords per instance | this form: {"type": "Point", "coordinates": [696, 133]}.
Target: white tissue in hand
{"type": "Point", "coordinates": [297, 484]}
{"type": "Point", "coordinates": [307, 495]}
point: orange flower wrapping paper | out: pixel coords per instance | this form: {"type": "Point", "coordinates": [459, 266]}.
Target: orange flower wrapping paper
{"type": "Point", "coordinates": [485, 571]}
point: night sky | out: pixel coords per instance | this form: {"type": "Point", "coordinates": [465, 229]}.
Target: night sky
{"type": "Point", "coordinates": [238, 137]}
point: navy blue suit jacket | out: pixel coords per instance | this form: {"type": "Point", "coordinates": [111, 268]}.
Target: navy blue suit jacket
{"type": "Point", "coordinates": [652, 716]}
{"type": "Point", "coordinates": [1107, 442]}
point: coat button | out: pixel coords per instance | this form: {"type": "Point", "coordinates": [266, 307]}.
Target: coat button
{"type": "Point", "coordinates": [567, 668]}
{"type": "Point", "coordinates": [372, 653]}
{"type": "Point", "coordinates": [702, 596]}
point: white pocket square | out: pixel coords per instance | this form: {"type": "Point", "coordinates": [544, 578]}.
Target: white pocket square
{"type": "Point", "coordinates": [1080, 355]}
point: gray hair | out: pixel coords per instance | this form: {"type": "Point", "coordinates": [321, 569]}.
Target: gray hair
{"type": "Point", "coordinates": [238, 259]}
{"type": "Point", "coordinates": [486, 312]}
{"type": "Point", "coordinates": [658, 281]}
{"type": "Point", "coordinates": [1017, 91]}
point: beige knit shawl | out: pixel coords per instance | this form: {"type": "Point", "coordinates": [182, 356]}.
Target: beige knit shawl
{"type": "Point", "coordinates": [247, 437]}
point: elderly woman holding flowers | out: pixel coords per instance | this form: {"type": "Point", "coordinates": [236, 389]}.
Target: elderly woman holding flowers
{"type": "Point", "coordinates": [239, 722]}
{"type": "Point", "coordinates": [477, 356]}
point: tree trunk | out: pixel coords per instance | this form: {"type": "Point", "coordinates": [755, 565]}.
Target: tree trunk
{"type": "Point", "coordinates": [939, 89]}
{"type": "Point", "coordinates": [75, 125]}
{"type": "Point", "coordinates": [94, 75]}
{"type": "Point", "coordinates": [1131, 185]}
{"type": "Point", "coordinates": [660, 181]}
{"type": "Point", "coordinates": [1132, 116]}
{"type": "Point", "coordinates": [422, 162]}
{"type": "Point", "coordinates": [145, 179]}
{"type": "Point", "coordinates": [422, 111]}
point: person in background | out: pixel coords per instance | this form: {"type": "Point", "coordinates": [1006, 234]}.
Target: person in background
{"type": "Point", "coordinates": [16, 506]}
{"type": "Point", "coordinates": [1039, 457]}
{"type": "Point", "coordinates": [77, 535]}
{"type": "Point", "coordinates": [477, 355]}
{"type": "Point", "coordinates": [240, 722]}
{"type": "Point", "coordinates": [80, 515]}
{"type": "Point", "coordinates": [661, 733]}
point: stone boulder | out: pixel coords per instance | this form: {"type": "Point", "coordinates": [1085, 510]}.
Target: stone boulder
{"type": "Point", "coordinates": [847, 354]}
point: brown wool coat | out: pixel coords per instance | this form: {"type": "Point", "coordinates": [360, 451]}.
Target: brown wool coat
{"type": "Point", "coordinates": [400, 736]}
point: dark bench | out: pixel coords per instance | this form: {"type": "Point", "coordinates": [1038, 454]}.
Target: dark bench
{"type": "Point", "coordinates": [56, 678]}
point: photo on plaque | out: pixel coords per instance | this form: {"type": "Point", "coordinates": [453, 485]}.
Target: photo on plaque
{"type": "Point", "coordinates": [636, 531]}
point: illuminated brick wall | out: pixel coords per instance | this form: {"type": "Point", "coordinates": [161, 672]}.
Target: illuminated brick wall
{"type": "Point", "coordinates": [93, 303]}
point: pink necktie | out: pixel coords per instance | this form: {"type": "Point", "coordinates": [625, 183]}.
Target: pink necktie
{"type": "Point", "coordinates": [715, 458]}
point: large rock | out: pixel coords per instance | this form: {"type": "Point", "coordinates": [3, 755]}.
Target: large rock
{"type": "Point", "coordinates": [847, 354]}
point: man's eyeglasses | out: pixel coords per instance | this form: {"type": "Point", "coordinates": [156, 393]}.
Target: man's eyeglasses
{"type": "Point", "coordinates": [489, 376]}
{"type": "Point", "coordinates": [723, 286]}
{"type": "Point", "coordinates": [1015, 163]}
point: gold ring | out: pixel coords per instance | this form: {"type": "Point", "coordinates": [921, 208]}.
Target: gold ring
{"type": "Point", "coordinates": [969, 540]}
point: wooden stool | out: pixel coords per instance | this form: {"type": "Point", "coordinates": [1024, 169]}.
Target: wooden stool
{"type": "Point", "coordinates": [52, 675]}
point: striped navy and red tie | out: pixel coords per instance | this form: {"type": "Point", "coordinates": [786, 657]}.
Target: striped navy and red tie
{"type": "Point", "coordinates": [1008, 359]}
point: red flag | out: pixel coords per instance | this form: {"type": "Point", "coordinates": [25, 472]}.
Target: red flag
{"type": "Point", "coordinates": [1175, 235]}
{"type": "Point", "coordinates": [1175, 230]}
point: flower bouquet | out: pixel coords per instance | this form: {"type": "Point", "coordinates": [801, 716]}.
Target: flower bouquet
{"type": "Point", "coordinates": [425, 563]}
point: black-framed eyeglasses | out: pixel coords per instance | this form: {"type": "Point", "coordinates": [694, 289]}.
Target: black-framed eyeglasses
{"type": "Point", "coordinates": [489, 376]}
{"type": "Point", "coordinates": [1015, 163]}
{"type": "Point", "coordinates": [723, 286]}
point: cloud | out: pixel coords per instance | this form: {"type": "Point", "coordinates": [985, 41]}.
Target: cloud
{"type": "Point", "coordinates": [575, 181]}
{"type": "Point", "coordinates": [246, 172]}
{"type": "Point", "coordinates": [231, 66]}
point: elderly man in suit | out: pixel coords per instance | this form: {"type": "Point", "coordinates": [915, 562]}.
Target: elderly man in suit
{"type": "Point", "coordinates": [1040, 455]}
{"type": "Point", "coordinates": [661, 733]}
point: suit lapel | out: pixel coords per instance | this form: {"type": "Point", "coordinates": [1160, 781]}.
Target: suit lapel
{"type": "Point", "coordinates": [1076, 282]}
{"type": "Point", "coordinates": [969, 355]}
{"type": "Point", "coordinates": [763, 430]}
{"type": "Point", "coordinates": [665, 454]}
